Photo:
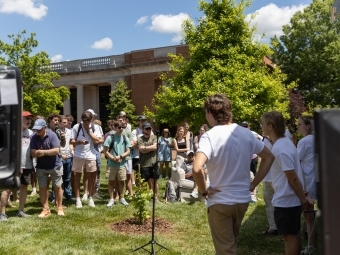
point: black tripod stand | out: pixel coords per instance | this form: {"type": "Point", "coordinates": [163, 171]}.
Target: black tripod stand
{"type": "Point", "coordinates": [152, 242]}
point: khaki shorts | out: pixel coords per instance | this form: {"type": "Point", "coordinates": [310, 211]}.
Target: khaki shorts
{"type": "Point", "coordinates": [79, 164]}
{"type": "Point", "coordinates": [120, 172]}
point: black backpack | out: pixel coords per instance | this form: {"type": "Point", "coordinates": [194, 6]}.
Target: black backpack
{"type": "Point", "coordinates": [113, 141]}
{"type": "Point", "coordinates": [81, 127]}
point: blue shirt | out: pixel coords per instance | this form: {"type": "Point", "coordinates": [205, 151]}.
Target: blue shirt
{"type": "Point", "coordinates": [119, 147]}
{"type": "Point", "coordinates": [50, 141]}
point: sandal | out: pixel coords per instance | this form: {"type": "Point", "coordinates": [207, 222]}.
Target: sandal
{"type": "Point", "coordinates": [270, 232]}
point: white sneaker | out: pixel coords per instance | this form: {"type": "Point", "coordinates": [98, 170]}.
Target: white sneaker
{"type": "Point", "coordinates": [253, 198]}
{"type": "Point", "coordinates": [91, 202]}
{"type": "Point", "coordinates": [110, 203]}
{"type": "Point", "coordinates": [78, 204]}
{"type": "Point", "coordinates": [194, 193]}
{"type": "Point", "coordinates": [85, 197]}
{"type": "Point", "coordinates": [123, 201]}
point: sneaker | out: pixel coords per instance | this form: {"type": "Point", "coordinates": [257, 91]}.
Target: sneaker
{"type": "Point", "coordinates": [78, 204]}
{"type": "Point", "coordinates": [194, 193]}
{"type": "Point", "coordinates": [123, 201]}
{"type": "Point", "coordinates": [253, 198]}
{"type": "Point", "coordinates": [22, 214]}
{"type": "Point", "coordinates": [309, 250]}
{"type": "Point", "coordinates": [110, 203]}
{"type": "Point", "coordinates": [60, 211]}
{"type": "Point", "coordinates": [96, 195]}
{"type": "Point", "coordinates": [33, 193]}
{"type": "Point", "coordinates": [3, 217]}
{"type": "Point", "coordinates": [44, 213]}
{"type": "Point", "coordinates": [91, 202]}
{"type": "Point", "coordinates": [85, 197]}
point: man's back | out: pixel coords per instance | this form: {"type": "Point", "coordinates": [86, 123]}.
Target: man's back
{"type": "Point", "coordinates": [229, 149]}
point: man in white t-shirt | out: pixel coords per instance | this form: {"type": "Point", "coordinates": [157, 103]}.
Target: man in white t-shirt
{"type": "Point", "coordinates": [227, 150]}
{"type": "Point", "coordinates": [289, 198]}
{"type": "Point", "coordinates": [84, 137]}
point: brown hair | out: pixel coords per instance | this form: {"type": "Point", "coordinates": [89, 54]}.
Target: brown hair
{"type": "Point", "coordinates": [220, 108]}
{"type": "Point", "coordinates": [205, 127]}
{"type": "Point", "coordinates": [52, 116]}
{"type": "Point", "coordinates": [69, 117]}
{"type": "Point", "coordinates": [277, 121]}
{"type": "Point", "coordinates": [86, 116]}
{"type": "Point", "coordinates": [98, 122]}
{"type": "Point", "coordinates": [178, 129]}
{"type": "Point", "coordinates": [117, 123]}
{"type": "Point", "coordinates": [307, 120]}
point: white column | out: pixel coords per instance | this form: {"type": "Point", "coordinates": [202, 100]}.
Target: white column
{"type": "Point", "coordinates": [67, 105]}
{"type": "Point", "coordinates": [94, 100]}
{"type": "Point", "coordinates": [80, 101]}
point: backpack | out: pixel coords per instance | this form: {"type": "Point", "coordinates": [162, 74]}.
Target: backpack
{"type": "Point", "coordinates": [171, 191]}
{"type": "Point", "coordinates": [113, 141]}
{"type": "Point", "coordinates": [81, 127]}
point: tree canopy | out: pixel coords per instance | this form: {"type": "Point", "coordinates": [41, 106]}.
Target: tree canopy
{"type": "Point", "coordinates": [39, 94]}
{"type": "Point", "coordinates": [223, 58]}
{"type": "Point", "coordinates": [120, 100]}
{"type": "Point", "coordinates": [308, 52]}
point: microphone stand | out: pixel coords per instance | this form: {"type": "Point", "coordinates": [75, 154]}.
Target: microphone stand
{"type": "Point", "coordinates": [153, 242]}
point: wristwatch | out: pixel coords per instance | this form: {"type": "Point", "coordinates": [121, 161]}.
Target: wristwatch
{"type": "Point", "coordinates": [121, 157]}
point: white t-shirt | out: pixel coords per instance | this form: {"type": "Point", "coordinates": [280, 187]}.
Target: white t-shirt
{"type": "Point", "coordinates": [305, 148]}
{"type": "Point", "coordinates": [268, 177]}
{"type": "Point", "coordinates": [136, 133]}
{"type": "Point", "coordinates": [286, 158]}
{"type": "Point", "coordinates": [229, 149]}
{"type": "Point", "coordinates": [288, 134]}
{"type": "Point", "coordinates": [100, 146]}
{"type": "Point", "coordinates": [26, 160]}
{"type": "Point", "coordinates": [66, 150]}
{"type": "Point", "coordinates": [85, 151]}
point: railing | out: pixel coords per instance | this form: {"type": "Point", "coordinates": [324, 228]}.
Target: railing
{"type": "Point", "coordinates": [92, 64]}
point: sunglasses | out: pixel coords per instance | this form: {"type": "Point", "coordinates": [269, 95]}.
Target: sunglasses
{"type": "Point", "coordinates": [120, 127]}
{"type": "Point", "coordinates": [147, 128]}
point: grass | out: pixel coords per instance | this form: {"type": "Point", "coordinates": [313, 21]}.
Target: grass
{"type": "Point", "coordinates": [87, 230]}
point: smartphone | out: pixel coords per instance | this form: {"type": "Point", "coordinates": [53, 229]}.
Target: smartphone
{"type": "Point", "coordinates": [86, 142]}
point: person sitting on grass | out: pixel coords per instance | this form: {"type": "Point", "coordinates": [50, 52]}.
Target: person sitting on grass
{"type": "Point", "coordinates": [116, 149]}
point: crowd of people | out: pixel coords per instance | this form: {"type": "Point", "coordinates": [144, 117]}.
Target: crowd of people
{"type": "Point", "coordinates": [70, 156]}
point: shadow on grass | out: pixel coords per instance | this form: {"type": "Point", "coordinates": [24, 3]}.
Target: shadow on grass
{"type": "Point", "coordinates": [251, 240]}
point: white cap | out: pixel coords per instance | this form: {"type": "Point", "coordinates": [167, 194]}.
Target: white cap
{"type": "Point", "coordinates": [92, 111]}
{"type": "Point", "coordinates": [190, 151]}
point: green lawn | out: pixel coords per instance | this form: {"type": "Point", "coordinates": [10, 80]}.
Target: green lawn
{"type": "Point", "coordinates": [87, 231]}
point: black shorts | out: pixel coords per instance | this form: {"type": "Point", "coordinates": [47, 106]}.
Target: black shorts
{"type": "Point", "coordinates": [25, 177]}
{"type": "Point", "coordinates": [135, 162]}
{"type": "Point", "coordinates": [287, 220]}
{"type": "Point", "coordinates": [148, 173]}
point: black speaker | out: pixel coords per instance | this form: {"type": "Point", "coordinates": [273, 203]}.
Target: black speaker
{"type": "Point", "coordinates": [327, 152]}
{"type": "Point", "coordinates": [10, 126]}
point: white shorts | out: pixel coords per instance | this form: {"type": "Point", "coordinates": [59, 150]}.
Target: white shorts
{"type": "Point", "coordinates": [128, 165]}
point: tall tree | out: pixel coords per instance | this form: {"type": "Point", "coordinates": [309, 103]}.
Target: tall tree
{"type": "Point", "coordinates": [39, 94]}
{"type": "Point", "coordinates": [308, 52]}
{"type": "Point", "coordinates": [224, 58]}
{"type": "Point", "coordinates": [120, 100]}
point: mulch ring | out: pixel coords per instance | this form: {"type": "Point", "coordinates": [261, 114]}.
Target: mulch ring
{"type": "Point", "coordinates": [130, 226]}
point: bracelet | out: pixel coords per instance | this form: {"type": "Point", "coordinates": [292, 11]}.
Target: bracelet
{"type": "Point", "coordinates": [204, 194]}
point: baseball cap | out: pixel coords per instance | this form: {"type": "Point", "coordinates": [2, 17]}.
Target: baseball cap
{"type": "Point", "coordinates": [146, 125]}
{"type": "Point", "coordinates": [27, 114]}
{"type": "Point", "coordinates": [92, 111]}
{"type": "Point", "coordinates": [39, 124]}
{"type": "Point", "coordinates": [122, 113]}
{"type": "Point", "coordinates": [190, 151]}
{"type": "Point", "coordinates": [245, 124]}
{"type": "Point", "coordinates": [142, 117]}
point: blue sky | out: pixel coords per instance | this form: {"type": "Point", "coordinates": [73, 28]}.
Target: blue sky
{"type": "Point", "coordinates": [78, 29]}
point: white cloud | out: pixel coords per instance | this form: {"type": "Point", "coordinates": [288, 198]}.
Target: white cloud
{"type": "Point", "coordinates": [142, 20]}
{"type": "Point", "coordinates": [271, 18]}
{"type": "Point", "coordinates": [169, 24]}
{"type": "Point", "coordinates": [30, 8]}
{"type": "Point", "coordinates": [103, 44]}
{"type": "Point", "coordinates": [56, 58]}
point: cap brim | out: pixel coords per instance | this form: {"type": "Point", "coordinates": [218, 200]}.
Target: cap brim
{"type": "Point", "coordinates": [37, 127]}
